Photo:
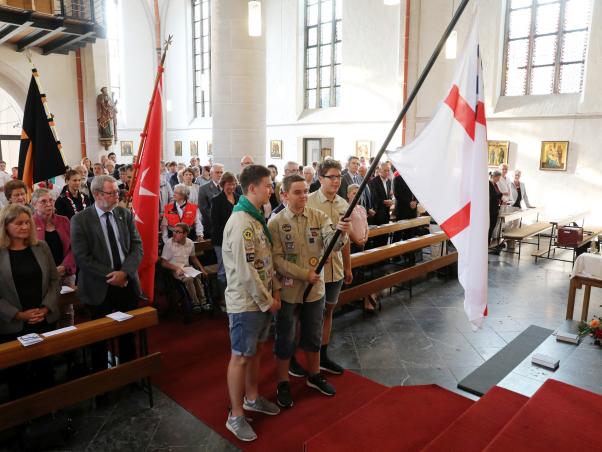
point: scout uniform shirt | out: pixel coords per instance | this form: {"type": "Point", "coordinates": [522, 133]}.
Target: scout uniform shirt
{"type": "Point", "coordinates": [299, 242]}
{"type": "Point", "coordinates": [247, 257]}
{"type": "Point", "coordinates": [333, 270]}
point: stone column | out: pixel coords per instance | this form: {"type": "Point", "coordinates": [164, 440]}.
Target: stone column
{"type": "Point", "coordinates": [238, 86]}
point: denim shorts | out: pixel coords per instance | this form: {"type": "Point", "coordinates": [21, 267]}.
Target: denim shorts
{"type": "Point", "coordinates": [247, 329]}
{"type": "Point", "coordinates": [333, 289]}
{"type": "Point", "coordinates": [311, 319]}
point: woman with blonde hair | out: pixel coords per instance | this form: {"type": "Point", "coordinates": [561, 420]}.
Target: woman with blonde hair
{"type": "Point", "coordinates": [29, 289]}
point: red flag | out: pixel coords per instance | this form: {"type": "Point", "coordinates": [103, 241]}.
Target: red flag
{"type": "Point", "coordinates": [146, 194]}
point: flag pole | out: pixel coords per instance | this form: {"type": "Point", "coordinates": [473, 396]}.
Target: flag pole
{"type": "Point", "coordinates": [425, 72]}
{"type": "Point", "coordinates": [144, 133]}
{"type": "Point", "coordinates": [43, 98]}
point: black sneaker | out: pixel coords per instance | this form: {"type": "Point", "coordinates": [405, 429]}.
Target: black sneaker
{"type": "Point", "coordinates": [295, 369]}
{"type": "Point", "coordinates": [328, 365]}
{"type": "Point", "coordinates": [318, 382]}
{"type": "Point", "coordinates": [283, 395]}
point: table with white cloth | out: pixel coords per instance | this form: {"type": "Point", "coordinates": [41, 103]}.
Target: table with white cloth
{"type": "Point", "coordinates": [587, 273]}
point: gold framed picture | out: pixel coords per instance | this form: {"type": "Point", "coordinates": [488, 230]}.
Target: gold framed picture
{"type": "Point", "coordinates": [194, 148]}
{"type": "Point", "coordinates": [276, 149]}
{"type": "Point", "coordinates": [177, 145]}
{"type": "Point", "coordinates": [554, 155]}
{"type": "Point", "coordinates": [127, 148]}
{"type": "Point", "coordinates": [363, 148]}
{"type": "Point", "coordinates": [497, 152]}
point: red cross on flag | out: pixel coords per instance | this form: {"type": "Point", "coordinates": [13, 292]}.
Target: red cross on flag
{"type": "Point", "coordinates": [446, 169]}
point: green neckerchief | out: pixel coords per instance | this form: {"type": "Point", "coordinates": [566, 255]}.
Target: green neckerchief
{"type": "Point", "coordinates": [244, 205]}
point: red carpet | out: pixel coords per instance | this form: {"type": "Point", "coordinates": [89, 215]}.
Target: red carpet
{"type": "Point", "coordinates": [558, 417]}
{"type": "Point", "coordinates": [490, 414]}
{"type": "Point", "coordinates": [195, 358]}
{"type": "Point", "coordinates": [401, 419]}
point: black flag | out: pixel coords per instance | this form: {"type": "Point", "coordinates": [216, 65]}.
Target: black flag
{"type": "Point", "coordinates": [40, 155]}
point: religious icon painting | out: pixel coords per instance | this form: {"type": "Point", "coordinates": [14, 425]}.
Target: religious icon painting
{"type": "Point", "coordinates": [363, 148]}
{"type": "Point", "coordinates": [276, 149]}
{"type": "Point", "coordinates": [194, 148]}
{"type": "Point", "coordinates": [497, 153]}
{"type": "Point", "coordinates": [177, 146]}
{"type": "Point", "coordinates": [127, 148]}
{"type": "Point", "coordinates": [554, 155]}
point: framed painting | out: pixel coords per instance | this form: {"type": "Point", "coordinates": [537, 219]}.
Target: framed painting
{"type": "Point", "coordinates": [209, 148]}
{"type": "Point", "coordinates": [554, 155]}
{"type": "Point", "coordinates": [497, 153]}
{"type": "Point", "coordinates": [177, 145]}
{"type": "Point", "coordinates": [127, 148]}
{"type": "Point", "coordinates": [363, 148]}
{"type": "Point", "coordinates": [276, 149]}
{"type": "Point", "coordinates": [194, 148]}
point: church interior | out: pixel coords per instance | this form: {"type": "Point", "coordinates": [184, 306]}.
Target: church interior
{"type": "Point", "coordinates": [293, 85]}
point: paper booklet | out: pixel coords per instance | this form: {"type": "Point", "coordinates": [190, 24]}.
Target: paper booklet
{"type": "Point", "coordinates": [191, 272]}
{"type": "Point", "coordinates": [30, 339]}
{"type": "Point", "coordinates": [119, 316]}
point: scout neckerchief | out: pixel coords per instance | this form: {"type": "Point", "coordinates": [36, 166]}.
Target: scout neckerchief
{"type": "Point", "coordinates": [244, 205]}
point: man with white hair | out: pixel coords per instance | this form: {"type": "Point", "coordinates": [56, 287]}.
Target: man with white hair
{"type": "Point", "coordinates": [206, 194]}
{"type": "Point", "coordinates": [181, 211]}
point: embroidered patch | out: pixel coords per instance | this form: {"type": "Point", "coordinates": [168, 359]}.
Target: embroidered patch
{"type": "Point", "coordinates": [247, 234]}
{"type": "Point", "coordinates": [291, 258]}
{"type": "Point", "coordinates": [250, 257]}
{"type": "Point", "coordinates": [290, 245]}
{"type": "Point", "coordinates": [288, 237]}
{"type": "Point", "coordinates": [313, 261]}
{"type": "Point", "coordinates": [312, 240]}
{"type": "Point", "coordinates": [286, 227]}
{"type": "Point", "coordinates": [314, 231]}
{"type": "Point", "coordinates": [258, 264]}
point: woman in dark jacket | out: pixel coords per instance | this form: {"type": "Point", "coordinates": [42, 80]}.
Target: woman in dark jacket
{"type": "Point", "coordinates": [29, 289]}
{"type": "Point", "coordinates": [495, 198]}
{"type": "Point", "coordinates": [221, 209]}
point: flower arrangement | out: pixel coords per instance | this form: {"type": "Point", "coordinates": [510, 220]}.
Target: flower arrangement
{"type": "Point", "coordinates": [593, 328]}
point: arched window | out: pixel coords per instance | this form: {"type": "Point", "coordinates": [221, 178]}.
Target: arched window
{"type": "Point", "coordinates": [323, 35]}
{"type": "Point", "coordinates": [201, 56]}
{"type": "Point", "coordinates": [545, 46]}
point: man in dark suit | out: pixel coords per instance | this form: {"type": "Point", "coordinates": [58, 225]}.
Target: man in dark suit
{"type": "Point", "coordinates": [206, 194]}
{"type": "Point", "coordinates": [382, 200]}
{"type": "Point", "coordinates": [405, 209]}
{"type": "Point", "coordinates": [107, 250]}
{"type": "Point", "coordinates": [353, 176]}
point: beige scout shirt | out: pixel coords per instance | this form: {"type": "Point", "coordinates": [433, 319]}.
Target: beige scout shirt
{"type": "Point", "coordinates": [333, 271]}
{"type": "Point", "coordinates": [299, 242]}
{"type": "Point", "coordinates": [247, 256]}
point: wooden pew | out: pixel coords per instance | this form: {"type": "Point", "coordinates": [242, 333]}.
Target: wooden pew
{"type": "Point", "coordinates": [509, 214]}
{"type": "Point", "coordinates": [525, 232]}
{"type": "Point", "coordinates": [392, 250]}
{"type": "Point", "coordinates": [13, 353]}
{"type": "Point", "coordinates": [555, 224]}
{"type": "Point", "coordinates": [400, 225]}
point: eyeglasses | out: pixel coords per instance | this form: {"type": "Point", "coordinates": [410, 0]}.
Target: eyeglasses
{"type": "Point", "coordinates": [110, 193]}
{"type": "Point", "coordinates": [333, 177]}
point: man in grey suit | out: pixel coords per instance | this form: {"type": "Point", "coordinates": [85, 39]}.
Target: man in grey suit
{"type": "Point", "coordinates": [206, 194]}
{"type": "Point", "coordinates": [107, 250]}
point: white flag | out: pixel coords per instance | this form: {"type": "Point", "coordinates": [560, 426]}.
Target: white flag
{"type": "Point", "coordinates": [446, 169]}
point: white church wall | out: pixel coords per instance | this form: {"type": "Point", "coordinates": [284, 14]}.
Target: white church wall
{"type": "Point", "coordinates": [371, 79]}
{"type": "Point", "coordinates": [525, 121]}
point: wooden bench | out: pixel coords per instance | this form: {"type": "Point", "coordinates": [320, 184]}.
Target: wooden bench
{"type": "Point", "coordinates": [13, 353]}
{"type": "Point", "coordinates": [201, 246]}
{"type": "Point", "coordinates": [388, 251]}
{"type": "Point", "coordinates": [525, 232]}
{"type": "Point", "coordinates": [396, 226]}
{"type": "Point", "coordinates": [513, 214]}
{"type": "Point", "coordinates": [552, 246]}
{"type": "Point", "coordinates": [577, 282]}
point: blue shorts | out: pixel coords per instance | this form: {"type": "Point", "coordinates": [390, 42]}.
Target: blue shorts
{"type": "Point", "coordinates": [247, 329]}
{"type": "Point", "coordinates": [333, 289]}
{"type": "Point", "coordinates": [311, 318]}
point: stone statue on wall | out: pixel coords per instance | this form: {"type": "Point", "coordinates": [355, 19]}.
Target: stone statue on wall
{"type": "Point", "coordinates": [107, 118]}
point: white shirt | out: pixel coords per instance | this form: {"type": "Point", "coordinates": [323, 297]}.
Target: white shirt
{"type": "Point", "coordinates": [103, 225]}
{"type": "Point", "coordinates": [178, 254]}
{"type": "Point", "coordinates": [504, 186]}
